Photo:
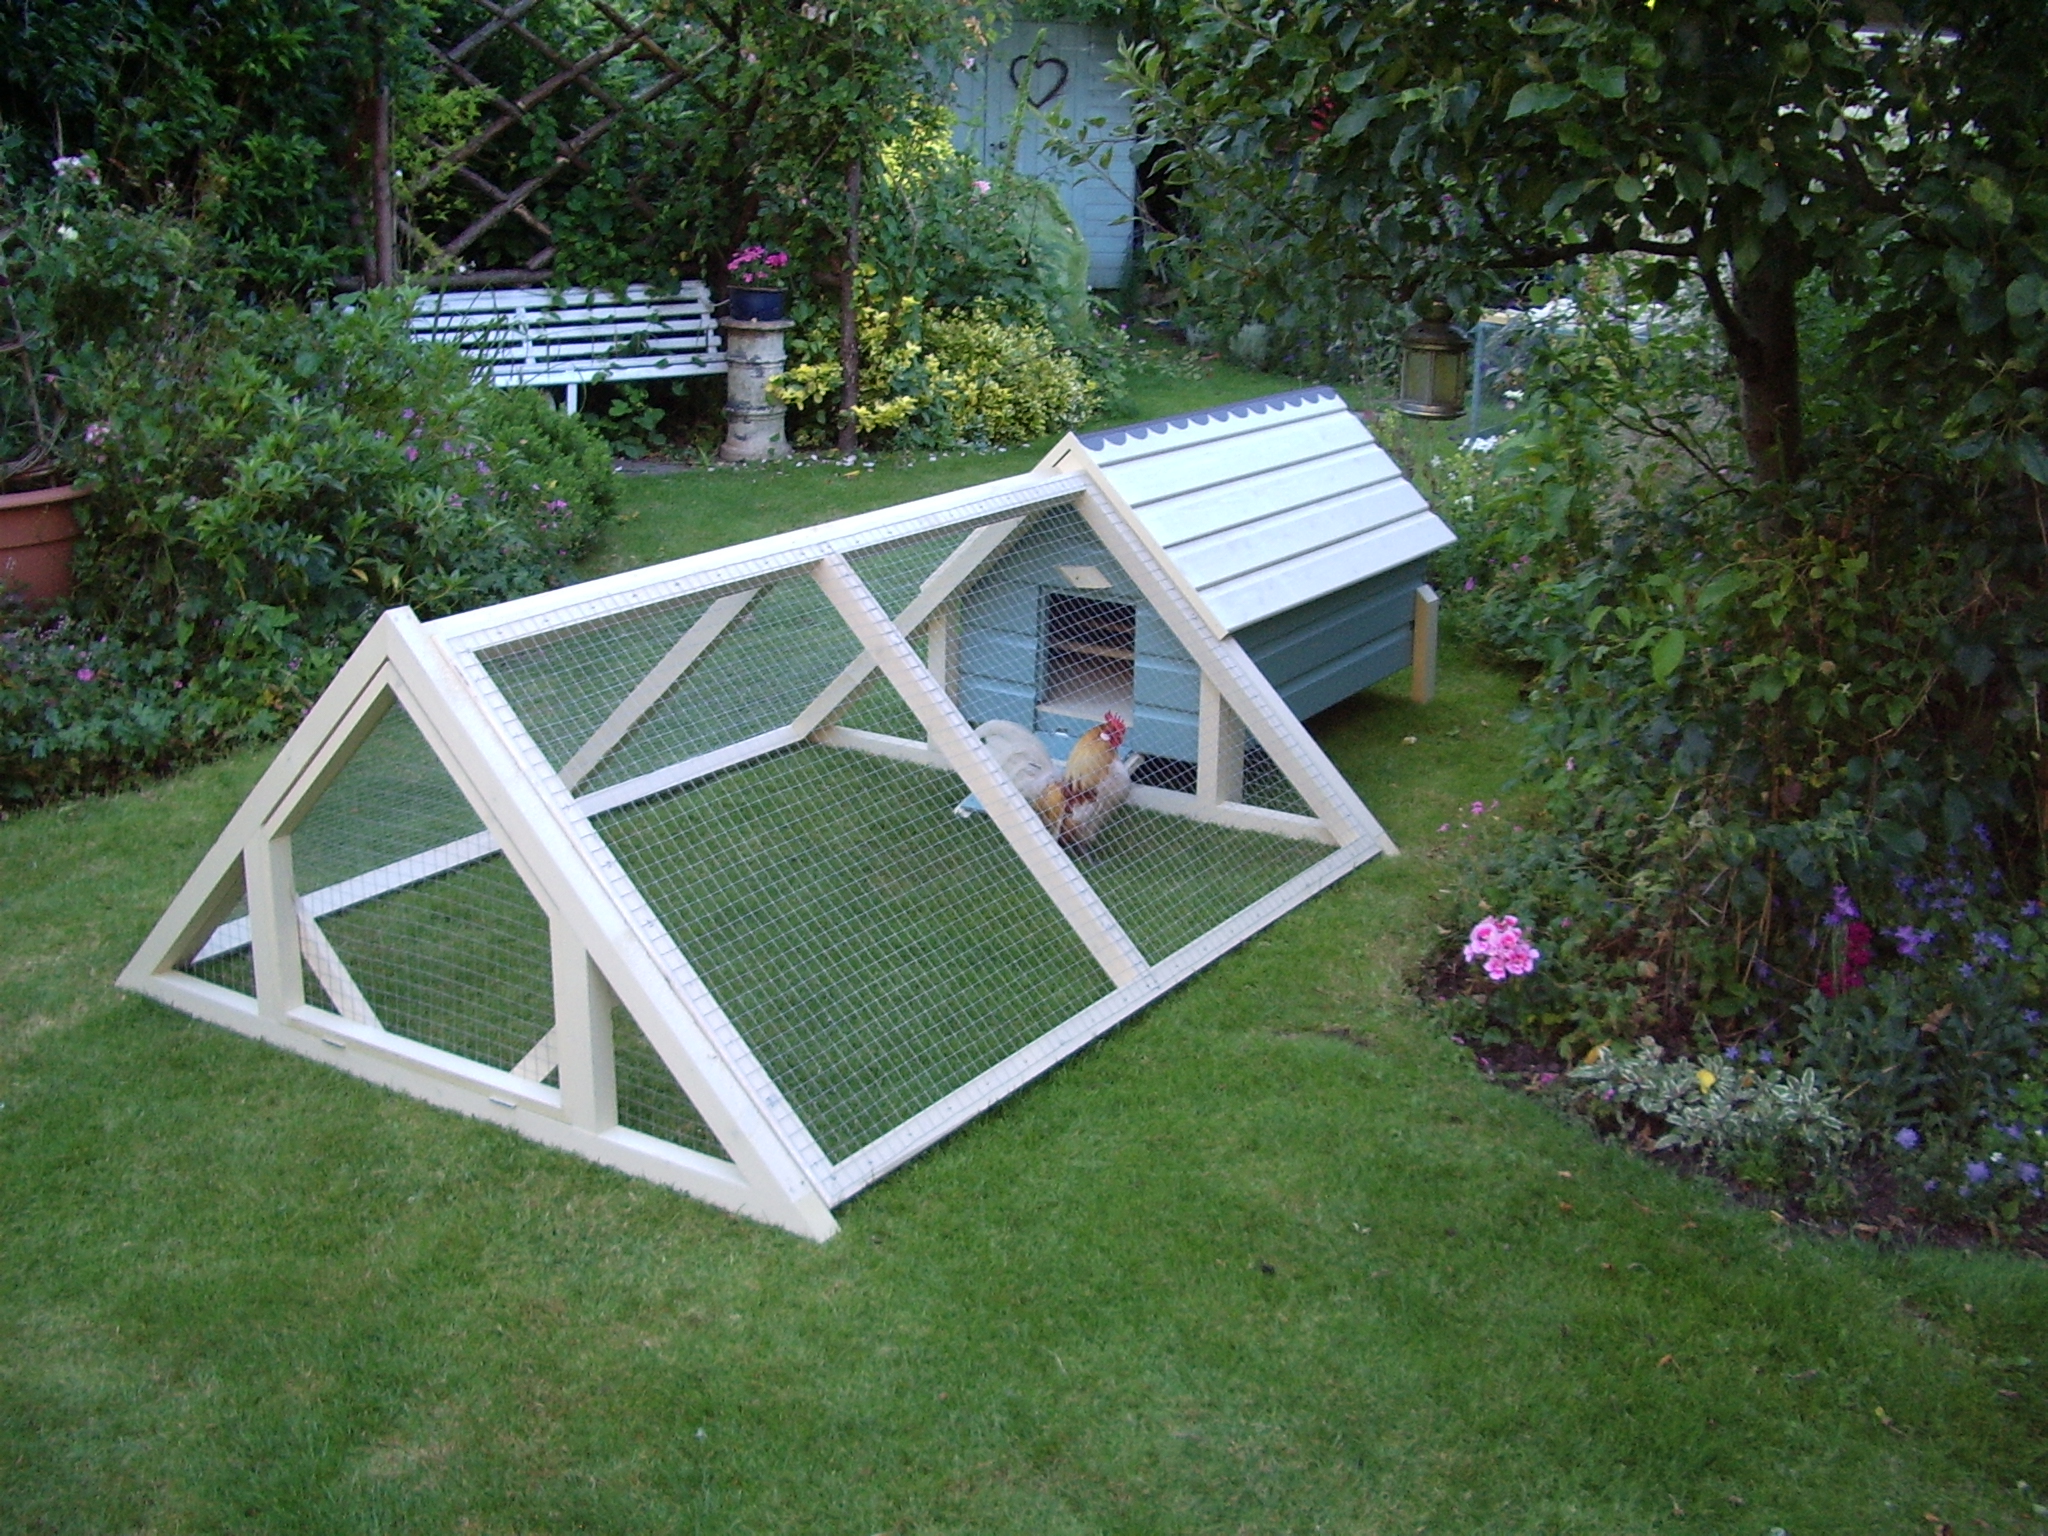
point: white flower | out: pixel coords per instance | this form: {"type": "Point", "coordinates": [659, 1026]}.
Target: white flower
{"type": "Point", "coordinates": [66, 232]}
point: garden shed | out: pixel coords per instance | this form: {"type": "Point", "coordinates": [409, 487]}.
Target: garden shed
{"type": "Point", "coordinates": [668, 869]}
{"type": "Point", "coordinates": [1279, 521]}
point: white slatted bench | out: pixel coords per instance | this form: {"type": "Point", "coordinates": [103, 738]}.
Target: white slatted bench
{"type": "Point", "coordinates": [570, 337]}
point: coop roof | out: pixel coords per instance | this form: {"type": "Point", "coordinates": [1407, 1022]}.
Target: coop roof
{"type": "Point", "coordinates": [1259, 507]}
{"type": "Point", "coordinates": [664, 870]}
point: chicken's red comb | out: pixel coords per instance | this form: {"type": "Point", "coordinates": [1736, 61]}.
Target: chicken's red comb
{"type": "Point", "coordinates": [1113, 727]}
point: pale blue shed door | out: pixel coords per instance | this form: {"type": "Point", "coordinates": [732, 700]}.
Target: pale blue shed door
{"type": "Point", "coordinates": [1070, 76]}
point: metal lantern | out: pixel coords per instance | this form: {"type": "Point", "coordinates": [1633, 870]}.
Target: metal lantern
{"type": "Point", "coordinates": [1433, 365]}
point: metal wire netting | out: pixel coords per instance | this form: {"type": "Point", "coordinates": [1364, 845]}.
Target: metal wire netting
{"type": "Point", "coordinates": [771, 662]}
{"type": "Point", "coordinates": [650, 1101]}
{"type": "Point", "coordinates": [1098, 652]}
{"type": "Point", "coordinates": [224, 956]}
{"type": "Point", "coordinates": [1267, 787]}
{"type": "Point", "coordinates": [874, 949]}
{"type": "Point", "coordinates": [436, 930]}
{"type": "Point", "coordinates": [564, 683]}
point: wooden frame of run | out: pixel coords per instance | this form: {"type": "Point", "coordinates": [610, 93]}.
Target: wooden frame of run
{"type": "Point", "coordinates": [607, 945]}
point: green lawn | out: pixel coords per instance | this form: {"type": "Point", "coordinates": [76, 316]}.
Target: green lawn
{"type": "Point", "coordinates": [1270, 1258]}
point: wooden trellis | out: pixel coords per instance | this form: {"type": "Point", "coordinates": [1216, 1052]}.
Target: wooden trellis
{"type": "Point", "coordinates": [459, 61]}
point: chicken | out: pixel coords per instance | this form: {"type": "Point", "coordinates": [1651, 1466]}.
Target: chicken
{"type": "Point", "coordinates": [1075, 801]}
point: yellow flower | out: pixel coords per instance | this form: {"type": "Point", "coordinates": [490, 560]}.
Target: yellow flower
{"type": "Point", "coordinates": [1705, 1079]}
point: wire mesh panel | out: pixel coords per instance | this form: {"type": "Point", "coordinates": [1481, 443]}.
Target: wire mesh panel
{"type": "Point", "coordinates": [649, 1099]}
{"type": "Point", "coordinates": [565, 683]}
{"type": "Point", "coordinates": [765, 667]}
{"type": "Point", "coordinates": [435, 929]}
{"type": "Point", "coordinates": [875, 949]}
{"type": "Point", "coordinates": [224, 957]}
{"type": "Point", "coordinates": [1267, 787]}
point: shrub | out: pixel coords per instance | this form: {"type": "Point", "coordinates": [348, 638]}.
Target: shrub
{"type": "Point", "coordinates": [1772, 728]}
{"type": "Point", "coordinates": [1737, 1116]}
{"type": "Point", "coordinates": [263, 482]}
{"type": "Point", "coordinates": [937, 380]}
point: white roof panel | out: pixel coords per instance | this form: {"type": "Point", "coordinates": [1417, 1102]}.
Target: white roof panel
{"type": "Point", "coordinates": [1265, 505]}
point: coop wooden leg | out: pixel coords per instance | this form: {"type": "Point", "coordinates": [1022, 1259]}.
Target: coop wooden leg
{"type": "Point", "coordinates": [1422, 672]}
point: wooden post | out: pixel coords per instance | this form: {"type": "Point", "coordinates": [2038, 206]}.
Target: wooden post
{"type": "Point", "coordinates": [942, 647]}
{"type": "Point", "coordinates": [1422, 667]}
{"type": "Point", "coordinates": [583, 1034]}
{"type": "Point", "coordinates": [274, 927]}
{"type": "Point", "coordinates": [1219, 750]}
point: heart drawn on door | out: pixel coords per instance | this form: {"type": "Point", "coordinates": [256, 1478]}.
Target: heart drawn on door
{"type": "Point", "coordinates": [1022, 68]}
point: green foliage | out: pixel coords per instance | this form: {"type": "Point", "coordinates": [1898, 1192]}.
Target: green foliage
{"type": "Point", "coordinates": [1987, 1170]}
{"type": "Point", "coordinates": [1732, 1114]}
{"type": "Point", "coordinates": [244, 117]}
{"type": "Point", "coordinates": [262, 482]}
{"type": "Point", "coordinates": [319, 463]}
{"type": "Point", "coordinates": [1786, 753]}
{"type": "Point", "coordinates": [945, 230]}
{"type": "Point", "coordinates": [938, 380]}
{"type": "Point", "coordinates": [1410, 151]}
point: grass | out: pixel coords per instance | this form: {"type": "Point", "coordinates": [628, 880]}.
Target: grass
{"type": "Point", "coordinates": [1270, 1258]}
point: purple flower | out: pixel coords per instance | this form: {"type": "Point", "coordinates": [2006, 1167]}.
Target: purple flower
{"type": "Point", "coordinates": [1844, 908]}
{"type": "Point", "coordinates": [1997, 941]}
{"type": "Point", "coordinates": [1931, 1185]}
{"type": "Point", "coordinates": [412, 454]}
{"type": "Point", "coordinates": [1907, 1137]}
{"type": "Point", "coordinates": [1765, 1057]}
{"type": "Point", "coordinates": [1976, 1172]}
{"type": "Point", "coordinates": [1911, 938]}
{"type": "Point", "coordinates": [1471, 582]}
{"type": "Point", "coordinates": [86, 674]}
{"type": "Point", "coordinates": [406, 414]}
{"type": "Point", "coordinates": [2030, 1173]}
{"type": "Point", "coordinates": [1732, 1052]}
{"type": "Point", "coordinates": [2030, 909]}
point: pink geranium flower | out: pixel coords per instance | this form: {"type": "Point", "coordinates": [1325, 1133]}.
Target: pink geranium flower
{"type": "Point", "coordinates": [1499, 944]}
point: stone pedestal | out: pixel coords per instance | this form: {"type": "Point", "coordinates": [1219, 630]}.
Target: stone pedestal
{"type": "Point", "coordinates": [754, 354]}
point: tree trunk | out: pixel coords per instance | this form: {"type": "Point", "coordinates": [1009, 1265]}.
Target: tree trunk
{"type": "Point", "coordinates": [849, 328]}
{"type": "Point", "coordinates": [1763, 342]}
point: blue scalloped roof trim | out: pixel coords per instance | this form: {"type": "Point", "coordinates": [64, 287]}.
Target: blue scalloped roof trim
{"type": "Point", "coordinates": [1115, 437]}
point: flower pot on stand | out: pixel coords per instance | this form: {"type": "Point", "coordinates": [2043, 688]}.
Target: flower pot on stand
{"type": "Point", "coordinates": [757, 304]}
{"type": "Point", "coordinates": [37, 531]}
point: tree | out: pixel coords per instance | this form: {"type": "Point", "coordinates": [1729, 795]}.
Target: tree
{"type": "Point", "coordinates": [1425, 149]}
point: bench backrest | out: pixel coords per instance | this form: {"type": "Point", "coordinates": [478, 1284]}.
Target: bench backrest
{"type": "Point", "coordinates": [537, 336]}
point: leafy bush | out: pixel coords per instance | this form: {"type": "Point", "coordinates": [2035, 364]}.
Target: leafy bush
{"type": "Point", "coordinates": [1772, 727]}
{"type": "Point", "coordinates": [936, 380]}
{"type": "Point", "coordinates": [1737, 1116]}
{"type": "Point", "coordinates": [262, 483]}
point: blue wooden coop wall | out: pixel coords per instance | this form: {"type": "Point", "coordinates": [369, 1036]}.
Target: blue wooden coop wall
{"type": "Point", "coordinates": [1334, 645]}
{"type": "Point", "coordinates": [1315, 655]}
{"type": "Point", "coordinates": [1001, 644]}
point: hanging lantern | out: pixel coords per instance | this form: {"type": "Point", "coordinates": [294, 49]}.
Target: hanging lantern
{"type": "Point", "coordinates": [1433, 365]}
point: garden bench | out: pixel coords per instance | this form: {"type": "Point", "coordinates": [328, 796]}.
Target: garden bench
{"type": "Point", "coordinates": [570, 337]}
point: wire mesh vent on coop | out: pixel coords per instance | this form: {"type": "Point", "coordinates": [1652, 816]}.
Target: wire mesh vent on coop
{"type": "Point", "coordinates": [718, 874]}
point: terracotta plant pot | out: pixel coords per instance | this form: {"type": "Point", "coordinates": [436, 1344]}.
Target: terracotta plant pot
{"type": "Point", "coordinates": [37, 531]}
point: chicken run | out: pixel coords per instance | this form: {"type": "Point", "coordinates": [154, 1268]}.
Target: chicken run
{"type": "Point", "coordinates": [704, 872]}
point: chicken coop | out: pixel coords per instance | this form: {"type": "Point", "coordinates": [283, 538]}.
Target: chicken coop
{"type": "Point", "coordinates": [1283, 524]}
{"type": "Point", "coordinates": [731, 873]}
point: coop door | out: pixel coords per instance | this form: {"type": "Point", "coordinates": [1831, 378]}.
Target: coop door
{"type": "Point", "coordinates": [1089, 657]}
